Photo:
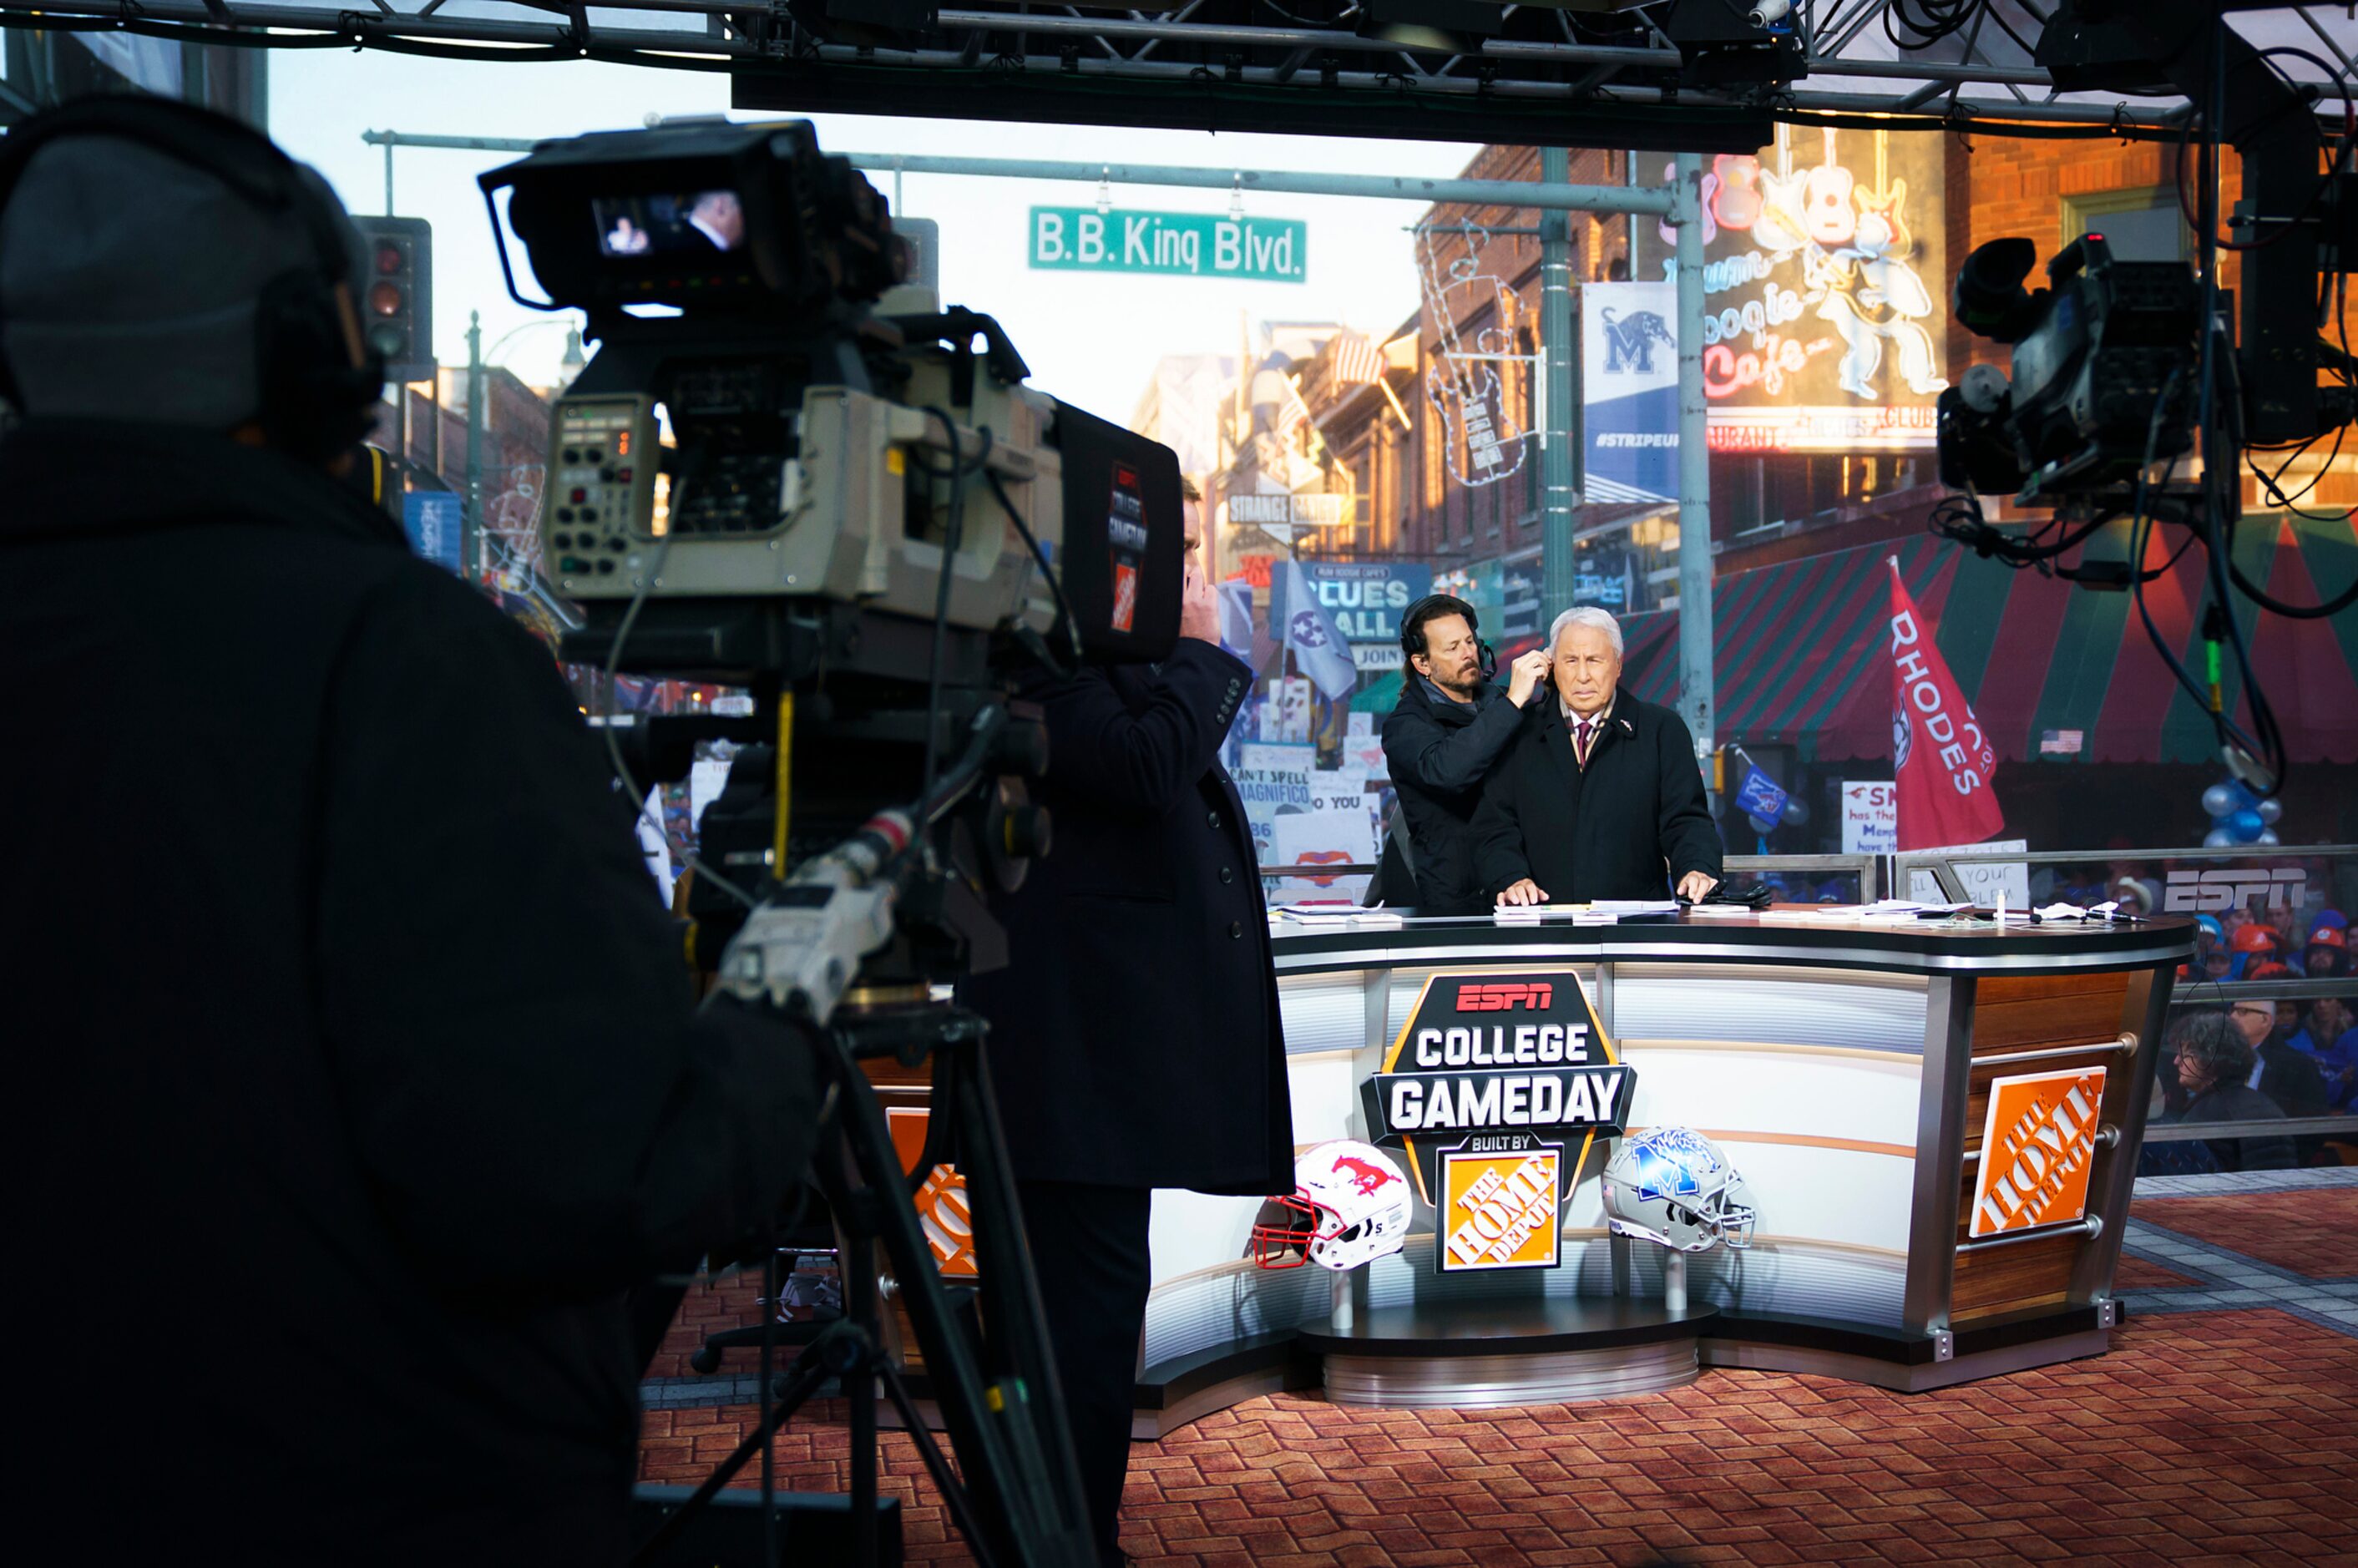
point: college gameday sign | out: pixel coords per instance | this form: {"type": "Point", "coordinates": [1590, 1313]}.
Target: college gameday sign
{"type": "Point", "coordinates": [1495, 1075]}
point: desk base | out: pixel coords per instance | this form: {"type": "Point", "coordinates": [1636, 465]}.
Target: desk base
{"type": "Point", "coordinates": [1493, 1355]}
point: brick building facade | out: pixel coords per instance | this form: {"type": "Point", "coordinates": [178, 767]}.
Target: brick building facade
{"type": "Point", "coordinates": [1402, 466]}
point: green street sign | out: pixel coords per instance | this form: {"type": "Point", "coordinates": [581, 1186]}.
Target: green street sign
{"type": "Point", "coordinates": [1174, 244]}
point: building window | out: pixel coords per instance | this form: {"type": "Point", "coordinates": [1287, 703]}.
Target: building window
{"type": "Point", "coordinates": [2142, 224]}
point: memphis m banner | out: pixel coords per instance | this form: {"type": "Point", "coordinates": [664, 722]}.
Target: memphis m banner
{"type": "Point", "coordinates": [1629, 389]}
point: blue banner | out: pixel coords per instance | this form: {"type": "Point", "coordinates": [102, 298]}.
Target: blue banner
{"type": "Point", "coordinates": [1629, 391]}
{"type": "Point", "coordinates": [431, 519]}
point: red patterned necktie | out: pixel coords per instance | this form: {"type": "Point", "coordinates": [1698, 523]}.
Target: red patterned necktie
{"type": "Point", "coordinates": [1581, 738]}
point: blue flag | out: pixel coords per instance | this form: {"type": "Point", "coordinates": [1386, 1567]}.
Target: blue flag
{"type": "Point", "coordinates": [1303, 624]}
{"type": "Point", "coordinates": [1760, 796]}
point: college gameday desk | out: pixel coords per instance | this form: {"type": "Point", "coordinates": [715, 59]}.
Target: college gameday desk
{"type": "Point", "coordinates": [1845, 1069]}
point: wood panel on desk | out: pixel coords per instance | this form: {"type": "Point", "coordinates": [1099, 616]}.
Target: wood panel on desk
{"type": "Point", "coordinates": [2009, 1279]}
{"type": "Point", "coordinates": [2023, 1012]}
{"type": "Point", "coordinates": [2104, 1052]}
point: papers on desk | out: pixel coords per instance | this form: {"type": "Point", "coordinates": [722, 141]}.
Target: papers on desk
{"type": "Point", "coordinates": [1333, 917]}
{"type": "Point", "coordinates": [1911, 906]}
{"type": "Point", "coordinates": [1561, 913]}
{"type": "Point", "coordinates": [1621, 906]}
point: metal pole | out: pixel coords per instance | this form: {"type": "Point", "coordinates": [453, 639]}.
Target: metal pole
{"type": "Point", "coordinates": [1557, 500]}
{"type": "Point", "coordinates": [388, 180]}
{"type": "Point", "coordinates": [472, 527]}
{"type": "Point", "coordinates": [1522, 193]}
{"type": "Point", "coordinates": [1695, 698]}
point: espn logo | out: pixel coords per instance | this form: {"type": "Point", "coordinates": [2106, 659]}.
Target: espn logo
{"type": "Point", "coordinates": [2191, 892]}
{"type": "Point", "coordinates": [1535, 996]}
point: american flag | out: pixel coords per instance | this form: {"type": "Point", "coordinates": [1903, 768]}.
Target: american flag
{"type": "Point", "coordinates": [1356, 360]}
{"type": "Point", "coordinates": [1293, 413]}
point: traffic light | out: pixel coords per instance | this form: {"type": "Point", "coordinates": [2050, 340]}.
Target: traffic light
{"type": "Point", "coordinates": [397, 298]}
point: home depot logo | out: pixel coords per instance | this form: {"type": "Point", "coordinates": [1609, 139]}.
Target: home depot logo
{"type": "Point", "coordinates": [1501, 1207]}
{"type": "Point", "coordinates": [2208, 892]}
{"type": "Point", "coordinates": [2038, 1143]}
{"type": "Point", "coordinates": [943, 1210]}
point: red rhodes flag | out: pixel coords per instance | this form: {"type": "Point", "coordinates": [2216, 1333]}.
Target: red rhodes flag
{"type": "Point", "coordinates": [1939, 754]}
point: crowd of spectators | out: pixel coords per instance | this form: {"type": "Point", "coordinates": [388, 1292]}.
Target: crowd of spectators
{"type": "Point", "coordinates": [2259, 1058]}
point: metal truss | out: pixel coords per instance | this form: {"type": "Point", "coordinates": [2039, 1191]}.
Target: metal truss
{"type": "Point", "coordinates": [1596, 77]}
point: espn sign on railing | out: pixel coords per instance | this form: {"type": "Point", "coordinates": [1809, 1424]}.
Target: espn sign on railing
{"type": "Point", "coordinates": [2209, 892]}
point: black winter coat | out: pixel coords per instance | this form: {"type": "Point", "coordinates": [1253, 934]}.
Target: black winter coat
{"type": "Point", "coordinates": [1628, 826]}
{"type": "Point", "coordinates": [2237, 1102]}
{"type": "Point", "coordinates": [1135, 1039]}
{"type": "Point", "coordinates": [352, 1070]}
{"type": "Point", "coordinates": [1439, 753]}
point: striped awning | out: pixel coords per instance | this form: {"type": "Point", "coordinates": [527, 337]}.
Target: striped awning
{"type": "Point", "coordinates": [2055, 673]}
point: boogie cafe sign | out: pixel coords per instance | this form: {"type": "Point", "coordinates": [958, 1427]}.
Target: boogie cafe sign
{"type": "Point", "coordinates": [1487, 1088]}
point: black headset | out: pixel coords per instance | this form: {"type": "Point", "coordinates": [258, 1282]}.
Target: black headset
{"type": "Point", "coordinates": [1412, 629]}
{"type": "Point", "coordinates": [314, 401]}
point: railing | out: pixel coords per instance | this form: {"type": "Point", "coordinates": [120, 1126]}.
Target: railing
{"type": "Point", "coordinates": [2203, 994]}
{"type": "Point", "coordinates": [1783, 871]}
{"type": "Point", "coordinates": [2208, 896]}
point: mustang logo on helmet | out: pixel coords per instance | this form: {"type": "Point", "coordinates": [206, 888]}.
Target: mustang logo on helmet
{"type": "Point", "coordinates": [1672, 1185]}
{"type": "Point", "coordinates": [1366, 1177]}
{"type": "Point", "coordinates": [1349, 1206]}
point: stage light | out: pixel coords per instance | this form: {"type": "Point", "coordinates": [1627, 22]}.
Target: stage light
{"type": "Point", "coordinates": [1432, 27]}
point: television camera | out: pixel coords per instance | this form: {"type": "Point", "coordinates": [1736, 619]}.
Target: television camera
{"type": "Point", "coordinates": [2121, 370]}
{"type": "Point", "coordinates": [790, 468]}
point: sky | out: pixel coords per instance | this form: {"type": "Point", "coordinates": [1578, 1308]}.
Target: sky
{"type": "Point", "coordinates": [1092, 341]}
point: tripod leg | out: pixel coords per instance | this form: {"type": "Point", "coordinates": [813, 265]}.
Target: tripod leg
{"type": "Point", "coordinates": [1012, 1296]}
{"type": "Point", "coordinates": [811, 1370]}
{"type": "Point", "coordinates": [860, 1304]}
{"type": "Point", "coordinates": [981, 1417]}
{"type": "Point", "coordinates": [961, 1506]}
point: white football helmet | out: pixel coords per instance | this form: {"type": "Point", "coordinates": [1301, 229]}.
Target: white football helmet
{"type": "Point", "coordinates": [1349, 1206]}
{"type": "Point", "coordinates": [1672, 1185]}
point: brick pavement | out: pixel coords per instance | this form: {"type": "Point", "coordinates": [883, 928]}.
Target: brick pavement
{"type": "Point", "coordinates": [2141, 1274]}
{"type": "Point", "coordinates": [2312, 1232]}
{"type": "Point", "coordinates": [2218, 1437]}
{"type": "Point", "coordinates": [2221, 1430]}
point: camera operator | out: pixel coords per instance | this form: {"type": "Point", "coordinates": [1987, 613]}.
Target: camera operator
{"type": "Point", "coordinates": [1135, 1040]}
{"type": "Point", "coordinates": [354, 1073]}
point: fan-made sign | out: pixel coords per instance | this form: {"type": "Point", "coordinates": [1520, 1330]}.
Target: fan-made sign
{"type": "Point", "coordinates": [2038, 1144]}
{"type": "Point", "coordinates": [1501, 1203]}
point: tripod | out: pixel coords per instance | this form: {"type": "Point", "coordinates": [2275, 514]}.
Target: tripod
{"type": "Point", "coordinates": [1019, 1504]}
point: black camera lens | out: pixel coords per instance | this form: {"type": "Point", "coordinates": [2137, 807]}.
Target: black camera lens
{"type": "Point", "coordinates": [1989, 299]}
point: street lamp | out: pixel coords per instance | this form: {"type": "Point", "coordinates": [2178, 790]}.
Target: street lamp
{"type": "Point", "coordinates": [477, 362]}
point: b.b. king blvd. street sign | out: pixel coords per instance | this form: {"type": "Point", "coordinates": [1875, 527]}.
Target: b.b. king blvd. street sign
{"type": "Point", "coordinates": [1172, 244]}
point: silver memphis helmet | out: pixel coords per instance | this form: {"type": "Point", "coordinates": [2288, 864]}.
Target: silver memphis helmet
{"type": "Point", "coordinates": [1672, 1185]}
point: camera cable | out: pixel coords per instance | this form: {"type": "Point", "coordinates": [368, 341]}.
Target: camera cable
{"type": "Point", "coordinates": [694, 470]}
{"type": "Point", "coordinates": [953, 536]}
{"type": "Point", "coordinates": [1064, 617]}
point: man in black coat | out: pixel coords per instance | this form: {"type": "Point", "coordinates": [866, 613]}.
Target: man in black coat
{"type": "Point", "coordinates": [353, 1068]}
{"type": "Point", "coordinates": [1601, 797]}
{"type": "Point", "coordinates": [1441, 740]}
{"type": "Point", "coordinates": [1135, 1040]}
{"type": "Point", "coordinates": [2283, 1074]}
